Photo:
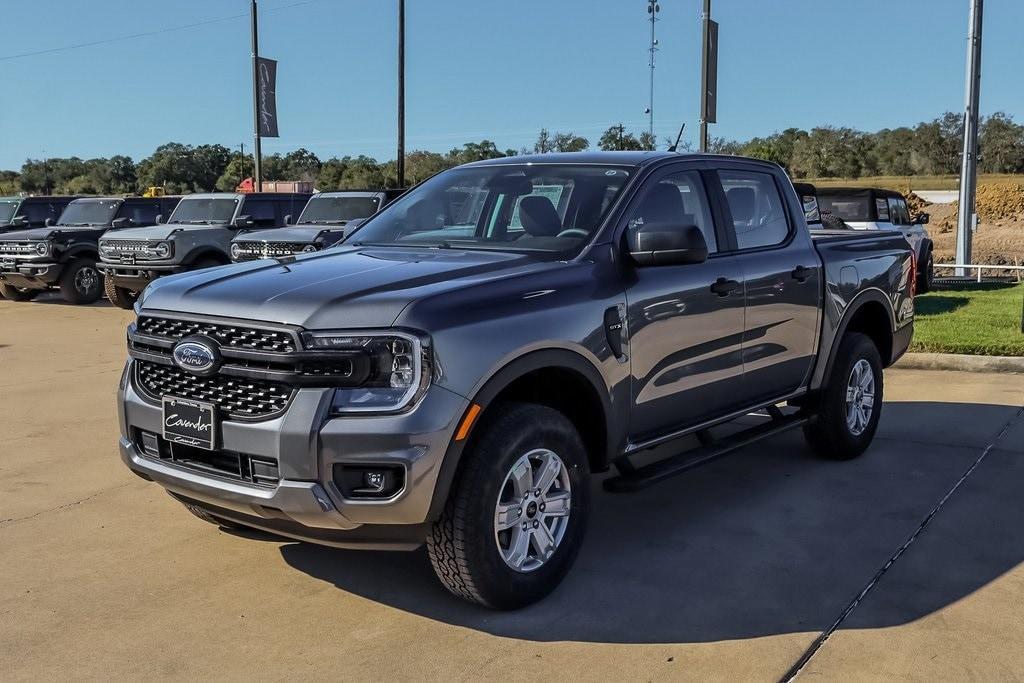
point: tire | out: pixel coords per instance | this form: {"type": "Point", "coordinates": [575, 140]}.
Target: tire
{"type": "Point", "coordinates": [13, 293]}
{"type": "Point", "coordinates": [80, 283]}
{"type": "Point", "coordinates": [837, 432]}
{"type": "Point", "coordinates": [926, 277]}
{"type": "Point", "coordinates": [119, 296]}
{"type": "Point", "coordinates": [207, 517]}
{"type": "Point", "coordinates": [465, 546]}
{"type": "Point", "coordinates": [204, 263]}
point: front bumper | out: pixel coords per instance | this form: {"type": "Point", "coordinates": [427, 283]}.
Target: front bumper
{"type": "Point", "coordinates": [136, 276]}
{"type": "Point", "coordinates": [26, 274]}
{"type": "Point", "coordinates": [306, 442]}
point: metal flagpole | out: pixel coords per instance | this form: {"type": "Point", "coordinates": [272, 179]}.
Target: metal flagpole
{"type": "Point", "coordinates": [257, 176]}
{"type": "Point", "coordinates": [967, 218]}
{"type": "Point", "coordinates": [401, 93]}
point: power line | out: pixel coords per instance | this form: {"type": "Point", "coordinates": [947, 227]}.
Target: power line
{"type": "Point", "coordinates": [147, 34]}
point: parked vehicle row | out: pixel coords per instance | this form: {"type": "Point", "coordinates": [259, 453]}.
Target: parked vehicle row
{"type": "Point", "coordinates": [118, 245]}
{"type": "Point", "coordinates": [455, 371]}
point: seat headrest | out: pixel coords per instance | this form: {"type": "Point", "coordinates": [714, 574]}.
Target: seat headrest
{"type": "Point", "coordinates": [539, 216]}
{"type": "Point", "coordinates": [664, 204]}
{"type": "Point", "coordinates": [741, 203]}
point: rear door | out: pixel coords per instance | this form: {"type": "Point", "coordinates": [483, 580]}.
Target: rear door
{"type": "Point", "coordinates": [684, 322]}
{"type": "Point", "coordinates": [782, 275]}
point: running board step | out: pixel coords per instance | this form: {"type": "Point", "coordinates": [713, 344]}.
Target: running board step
{"type": "Point", "coordinates": [642, 477]}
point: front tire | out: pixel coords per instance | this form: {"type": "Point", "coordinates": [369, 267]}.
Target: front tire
{"type": "Point", "coordinates": [850, 405]}
{"type": "Point", "coordinates": [515, 519]}
{"type": "Point", "coordinates": [13, 293]}
{"type": "Point", "coordinates": [119, 296]}
{"type": "Point", "coordinates": [80, 283]}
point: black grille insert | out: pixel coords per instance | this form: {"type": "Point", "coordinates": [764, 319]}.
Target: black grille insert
{"type": "Point", "coordinates": [231, 336]}
{"type": "Point", "coordinates": [238, 397]}
{"type": "Point", "coordinates": [251, 469]}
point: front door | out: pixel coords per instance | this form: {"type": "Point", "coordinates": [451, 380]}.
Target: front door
{"type": "Point", "coordinates": [684, 322]}
{"type": "Point", "coordinates": [782, 273]}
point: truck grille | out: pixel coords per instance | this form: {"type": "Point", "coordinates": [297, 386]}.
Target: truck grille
{"type": "Point", "coordinates": [250, 251]}
{"type": "Point", "coordinates": [231, 336]}
{"type": "Point", "coordinates": [17, 248]}
{"type": "Point", "coordinates": [127, 246]}
{"type": "Point", "coordinates": [239, 397]}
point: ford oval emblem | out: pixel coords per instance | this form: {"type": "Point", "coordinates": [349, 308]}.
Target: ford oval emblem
{"type": "Point", "coordinates": [197, 357]}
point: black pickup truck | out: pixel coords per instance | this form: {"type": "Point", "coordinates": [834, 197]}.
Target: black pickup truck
{"type": "Point", "coordinates": [457, 370]}
{"type": "Point", "coordinates": [64, 254]}
{"type": "Point", "coordinates": [24, 213]}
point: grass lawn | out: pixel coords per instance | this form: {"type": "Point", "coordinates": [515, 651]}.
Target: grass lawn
{"type": "Point", "coordinates": [982, 322]}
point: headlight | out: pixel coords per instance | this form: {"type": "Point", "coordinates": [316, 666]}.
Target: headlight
{"type": "Point", "coordinates": [236, 250]}
{"type": "Point", "coordinates": [106, 249]}
{"type": "Point", "coordinates": [160, 250]}
{"type": "Point", "coordinates": [43, 248]}
{"type": "Point", "coordinates": [397, 369]}
{"type": "Point", "coordinates": [309, 248]}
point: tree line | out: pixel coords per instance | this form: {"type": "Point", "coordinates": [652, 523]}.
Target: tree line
{"type": "Point", "coordinates": [929, 148]}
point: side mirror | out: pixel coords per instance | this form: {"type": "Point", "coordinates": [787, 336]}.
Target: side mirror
{"type": "Point", "coordinates": [288, 219]}
{"type": "Point", "coordinates": [119, 223]}
{"type": "Point", "coordinates": [666, 244]}
{"type": "Point", "coordinates": [921, 219]}
{"type": "Point", "coordinates": [49, 222]}
{"type": "Point", "coordinates": [159, 218]}
{"type": "Point", "coordinates": [19, 221]}
{"type": "Point", "coordinates": [243, 222]}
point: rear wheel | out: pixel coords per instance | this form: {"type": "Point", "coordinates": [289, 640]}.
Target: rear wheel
{"type": "Point", "coordinates": [17, 293]}
{"type": "Point", "coordinates": [516, 516]}
{"type": "Point", "coordinates": [80, 282]}
{"type": "Point", "coordinates": [849, 407]}
{"type": "Point", "coordinates": [119, 296]}
{"type": "Point", "coordinates": [926, 277]}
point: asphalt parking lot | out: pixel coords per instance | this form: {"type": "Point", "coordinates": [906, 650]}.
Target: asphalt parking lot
{"type": "Point", "coordinates": [730, 572]}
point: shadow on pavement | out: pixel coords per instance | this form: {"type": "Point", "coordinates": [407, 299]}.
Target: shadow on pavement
{"type": "Point", "coordinates": [770, 540]}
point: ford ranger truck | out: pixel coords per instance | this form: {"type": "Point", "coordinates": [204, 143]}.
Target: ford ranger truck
{"type": "Point", "coordinates": [325, 220]}
{"type": "Point", "coordinates": [457, 370]}
{"type": "Point", "coordinates": [63, 255]}
{"type": "Point", "coordinates": [21, 213]}
{"type": "Point", "coordinates": [196, 236]}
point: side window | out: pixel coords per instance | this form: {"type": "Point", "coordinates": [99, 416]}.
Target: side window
{"type": "Point", "coordinates": [882, 206]}
{"type": "Point", "coordinates": [758, 213]}
{"type": "Point", "coordinates": [898, 211]}
{"type": "Point", "coordinates": [37, 212]}
{"type": "Point", "coordinates": [140, 213]}
{"type": "Point", "coordinates": [678, 199]}
{"type": "Point", "coordinates": [262, 212]}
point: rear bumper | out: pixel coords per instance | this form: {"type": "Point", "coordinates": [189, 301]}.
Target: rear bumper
{"type": "Point", "coordinates": [306, 443]}
{"type": "Point", "coordinates": [30, 275]}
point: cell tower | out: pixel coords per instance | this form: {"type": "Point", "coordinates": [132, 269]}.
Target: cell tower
{"type": "Point", "coordinates": [652, 11]}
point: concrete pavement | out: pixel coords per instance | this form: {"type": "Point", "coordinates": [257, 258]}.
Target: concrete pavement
{"type": "Point", "coordinates": [730, 572]}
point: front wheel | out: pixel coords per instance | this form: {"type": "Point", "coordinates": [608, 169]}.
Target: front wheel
{"type": "Point", "coordinates": [80, 283]}
{"type": "Point", "coordinates": [17, 293]}
{"type": "Point", "coordinates": [846, 413]}
{"type": "Point", "coordinates": [119, 296]}
{"type": "Point", "coordinates": [516, 516]}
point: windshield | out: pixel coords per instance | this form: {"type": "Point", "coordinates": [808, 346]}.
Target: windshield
{"type": "Point", "coordinates": [88, 212]}
{"type": "Point", "coordinates": [516, 207]}
{"type": "Point", "coordinates": [336, 209]}
{"type": "Point", "coordinates": [210, 210]}
{"type": "Point", "coordinates": [847, 208]}
{"type": "Point", "coordinates": [8, 209]}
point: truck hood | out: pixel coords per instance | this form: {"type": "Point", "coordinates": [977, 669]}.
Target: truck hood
{"type": "Point", "coordinates": [45, 233]}
{"type": "Point", "coordinates": [306, 233]}
{"type": "Point", "coordinates": [340, 288]}
{"type": "Point", "coordinates": [158, 232]}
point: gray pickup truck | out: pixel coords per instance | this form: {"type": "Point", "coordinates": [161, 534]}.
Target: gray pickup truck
{"type": "Point", "coordinates": [456, 371]}
{"type": "Point", "coordinates": [197, 235]}
{"type": "Point", "coordinates": [327, 219]}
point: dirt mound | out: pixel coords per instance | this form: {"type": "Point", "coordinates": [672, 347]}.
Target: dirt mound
{"type": "Point", "coordinates": [915, 203]}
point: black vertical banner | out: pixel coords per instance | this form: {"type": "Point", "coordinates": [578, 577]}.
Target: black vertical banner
{"type": "Point", "coordinates": [709, 102]}
{"type": "Point", "coordinates": [266, 96]}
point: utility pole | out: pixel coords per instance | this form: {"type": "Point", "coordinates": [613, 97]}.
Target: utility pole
{"type": "Point", "coordinates": [708, 73]}
{"type": "Point", "coordinates": [652, 9]}
{"type": "Point", "coordinates": [401, 93]}
{"type": "Point", "coordinates": [967, 219]}
{"type": "Point", "coordinates": [257, 176]}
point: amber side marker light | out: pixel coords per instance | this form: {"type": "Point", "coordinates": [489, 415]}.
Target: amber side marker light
{"type": "Point", "coordinates": [467, 422]}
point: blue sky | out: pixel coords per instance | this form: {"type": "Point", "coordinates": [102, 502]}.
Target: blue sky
{"type": "Point", "coordinates": [499, 69]}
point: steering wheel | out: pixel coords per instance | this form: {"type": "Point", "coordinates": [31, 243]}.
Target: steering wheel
{"type": "Point", "coordinates": [574, 232]}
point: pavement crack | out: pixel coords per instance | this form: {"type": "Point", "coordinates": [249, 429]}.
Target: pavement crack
{"type": "Point", "coordinates": [10, 521]}
{"type": "Point", "coordinates": [813, 649]}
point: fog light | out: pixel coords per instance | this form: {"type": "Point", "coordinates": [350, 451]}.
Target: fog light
{"type": "Point", "coordinates": [369, 481]}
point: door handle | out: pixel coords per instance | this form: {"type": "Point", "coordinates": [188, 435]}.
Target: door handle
{"type": "Point", "coordinates": [802, 273]}
{"type": "Point", "coordinates": [724, 287]}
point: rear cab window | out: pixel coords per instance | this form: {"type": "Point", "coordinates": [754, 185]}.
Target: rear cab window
{"type": "Point", "coordinates": [756, 207]}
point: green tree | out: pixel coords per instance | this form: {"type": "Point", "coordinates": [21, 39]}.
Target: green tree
{"type": "Point", "coordinates": [617, 139]}
{"type": "Point", "coordinates": [544, 143]}
{"type": "Point", "coordinates": [1001, 145]}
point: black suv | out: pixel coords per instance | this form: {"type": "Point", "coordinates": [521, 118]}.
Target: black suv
{"type": "Point", "coordinates": [64, 254]}
{"type": "Point", "coordinates": [19, 213]}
